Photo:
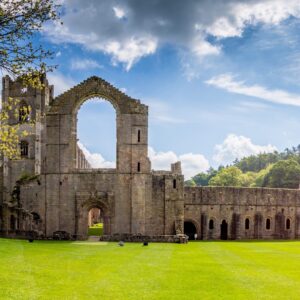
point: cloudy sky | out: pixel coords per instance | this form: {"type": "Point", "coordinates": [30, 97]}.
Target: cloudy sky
{"type": "Point", "coordinates": [221, 78]}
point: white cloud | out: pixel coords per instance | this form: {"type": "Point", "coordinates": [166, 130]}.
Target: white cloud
{"type": "Point", "coordinates": [61, 82]}
{"type": "Point", "coordinates": [228, 83]}
{"type": "Point", "coordinates": [126, 51]}
{"type": "Point", "coordinates": [203, 48]}
{"type": "Point", "coordinates": [240, 15]}
{"type": "Point", "coordinates": [130, 51]}
{"type": "Point", "coordinates": [237, 147]}
{"type": "Point", "coordinates": [192, 164]}
{"type": "Point", "coordinates": [131, 31]}
{"type": "Point", "coordinates": [119, 12]}
{"type": "Point", "coordinates": [84, 64]}
{"type": "Point", "coordinates": [96, 160]}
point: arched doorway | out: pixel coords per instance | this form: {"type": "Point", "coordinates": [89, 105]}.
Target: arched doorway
{"type": "Point", "coordinates": [224, 230]}
{"type": "Point", "coordinates": [94, 214]}
{"type": "Point", "coordinates": [190, 229]}
{"type": "Point", "coordinates": [95, 222]}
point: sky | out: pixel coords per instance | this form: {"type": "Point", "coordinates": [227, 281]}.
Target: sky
{"type": "Point", "coordinates": [221, 78]}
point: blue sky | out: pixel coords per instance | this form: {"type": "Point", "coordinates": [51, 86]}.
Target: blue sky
{"type": "Point", "coordinates": [221, 79]}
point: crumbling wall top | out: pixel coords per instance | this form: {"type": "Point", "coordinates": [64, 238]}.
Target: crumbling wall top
{"type": "Point", "coordinates": [71, 100]}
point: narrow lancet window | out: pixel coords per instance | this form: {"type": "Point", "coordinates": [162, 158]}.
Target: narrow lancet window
{"type": "Point", "coordinates": [24, 149]}
{"type": "Point", "coordinates": [247, 224]}
{"type": "Point", "coordinates": [288, 224]}
{"type": "Point", "coordinates": [211, 224]}
{"type": "Point", "coordinates": [139, 136]}
{"type": "Point", "coordinates": [268, 224]}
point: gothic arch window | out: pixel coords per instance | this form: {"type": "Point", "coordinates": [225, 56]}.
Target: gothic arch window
{"type": "Point", "coordinates": [24, 149]}
{"type": "Point", "coordinates": [24, 112]}
{"type": "Point", "coordinates": [247, 224]}
{"type": "Point", "coordinates": [211, 224]}
{"type": "Point", "coordinates": [268, 224]}
{"type": "Point", "coordinates": [288, 224]}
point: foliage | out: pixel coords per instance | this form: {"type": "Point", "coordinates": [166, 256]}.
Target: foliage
{"type": "Point", "coordinates": [284, 174]}
{"type": "Point", "coordinates": [255, 163]}
{"type": "Point", "coordinates": [248, 179]}
{"type": "Point", "coordinates": [230, 176]}
{"type": "Point", "coordinates": [10, 133]}
{"type": "Point", "coordinates": [203, 178]}
{"type": "Point", "coordinates": [277, 169]}
{"type": "Point", "coordinates": [22, 58]}
{"type": "Point", "coordinates": [20, 55]}
{"type": "Point", "coordinates": [260, 180]}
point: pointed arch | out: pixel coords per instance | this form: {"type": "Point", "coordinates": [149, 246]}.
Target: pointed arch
{"type": "Point", "coordinates": [71, 100]}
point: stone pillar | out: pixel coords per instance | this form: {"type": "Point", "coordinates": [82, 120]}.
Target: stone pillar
{"type": "Point", "coordinates": [258, 226]}
{"type": "Point", "coordinates": [235, 227]}
{"type": "Point", "coordinates": [203, 222]}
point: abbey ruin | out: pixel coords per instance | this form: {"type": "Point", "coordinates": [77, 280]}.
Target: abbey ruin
{"type": "Point", "coordinates": [52, 187]}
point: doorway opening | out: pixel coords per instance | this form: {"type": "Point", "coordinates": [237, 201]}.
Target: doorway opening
{"type": "Point", "coordinates": [190, 230]}
{"type": "Point", "coordinates": [224, 230]}
{"type": "Point", "coordinates": [96, 135]}
{"type": "Point", "coordinates": [95, 222]}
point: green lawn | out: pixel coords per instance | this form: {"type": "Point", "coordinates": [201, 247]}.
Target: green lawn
{"type": "Point", "coordinates": [199, 270]}
{"type": "Point", "coordinates": [96, 229]}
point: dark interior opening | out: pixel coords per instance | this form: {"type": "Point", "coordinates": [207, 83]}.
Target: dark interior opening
{"type": "Point", "coordinates": [268, 224]}
{"type": "Point", "coordinates": [224, 230]}
{"type": "Point", "coordinates": [190, 230]}
{"type": "Point", "coordinates": [247, 224]}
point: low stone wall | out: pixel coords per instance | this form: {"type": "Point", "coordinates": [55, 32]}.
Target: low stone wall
{"type": "Point", "coordinates": [145, 238]}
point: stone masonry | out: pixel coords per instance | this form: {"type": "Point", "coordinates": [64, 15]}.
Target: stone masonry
{"type": "Point", "coordinates": [52, 187]}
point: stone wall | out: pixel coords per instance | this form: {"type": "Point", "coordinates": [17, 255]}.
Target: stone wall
{"type": "Point", "coordinates": [135, 201]}
{"type": "Point", "coordinates": [205, 205]}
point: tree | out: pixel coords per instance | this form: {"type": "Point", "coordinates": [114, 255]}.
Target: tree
{"type": "Point", "coordinates": [10, 133]}
{"type": "Point", "coordinates": [283, 174]}
{"type": "Point", "coordinates": [248, 179]}
{"type": "Point", "coordinates": [202, 179]}
{"type": "Point", "coordinates": [21, 58]}
{"type": "Point", "coordinates": [255, 163]}
{"type": "Point", "coordinates": [230, 176]}
{"type": "Point", "coordinates": [20, 20]}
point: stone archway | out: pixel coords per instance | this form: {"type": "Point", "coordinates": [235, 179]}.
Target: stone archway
{"type": "Point", "coordinates": [87, 201]}
{"type": "Point", "coordinates": [190, 229]}
{"type": "Point", "coordinates": [128, 182]}
{"type": "Point", "coordinates": [131, 124]}
{"type": "Point", "coordinates": [224, 230]}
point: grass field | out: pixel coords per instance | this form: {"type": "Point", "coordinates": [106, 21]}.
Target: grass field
{"type": "Point", "coordinates": [96, 229]}
{"type": "Point", "coordinates": [199, 270]}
